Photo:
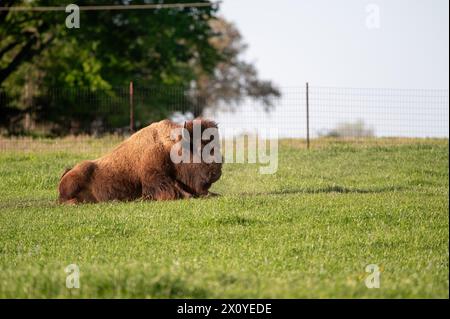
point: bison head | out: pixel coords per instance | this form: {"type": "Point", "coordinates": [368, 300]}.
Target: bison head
{"type": "Point", "coordinates": [202, 164]}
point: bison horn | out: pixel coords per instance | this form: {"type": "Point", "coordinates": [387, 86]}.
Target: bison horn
{"type": "Point", "coordinates": [185, 133]}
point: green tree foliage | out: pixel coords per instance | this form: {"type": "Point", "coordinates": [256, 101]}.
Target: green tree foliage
{"type": "Point", "coordinates": [73, 78]}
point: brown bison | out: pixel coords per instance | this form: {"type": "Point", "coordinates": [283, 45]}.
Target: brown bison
{"type": "Point", "coordinates": [143, 167]}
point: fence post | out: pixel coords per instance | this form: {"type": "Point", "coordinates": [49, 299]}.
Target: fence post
{"type": "Point", "coordinates": [131, 108]}
{"type": "Point", "coordinates": [307, 115]}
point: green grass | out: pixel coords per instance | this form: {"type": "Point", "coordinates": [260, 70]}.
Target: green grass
{"type": "Point", "coordinates": [306, 232]}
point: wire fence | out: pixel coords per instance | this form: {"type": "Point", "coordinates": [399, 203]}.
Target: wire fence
{"type": "Point", "coordinates": [300, 112]}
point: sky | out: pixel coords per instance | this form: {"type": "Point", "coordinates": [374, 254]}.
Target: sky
{"type": "Point", "coordinates": [328, 43]}
{"type": "Point", "coordinates": [395, 44]}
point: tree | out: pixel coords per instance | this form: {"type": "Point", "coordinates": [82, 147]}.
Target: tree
{"type": "Point", "coordinates": [153, 48]}
{"type": "Point", "coordinates": [23, 36]}
{"type": "Point", "coordinates": [350, 129]}
{"type": "Point", "coordinates": [233, 79]}
{"type": "Point", "coordinates": [79, 75]}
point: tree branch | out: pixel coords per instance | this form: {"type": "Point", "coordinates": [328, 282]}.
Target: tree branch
{"type": "Point", "coordinates": [25, 55]}
{"type": "Point", "coordinates": [4, 14]}
{"type": "Point", "coordinates": [8, 47]}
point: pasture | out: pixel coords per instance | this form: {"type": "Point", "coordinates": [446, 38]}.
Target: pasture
{"type": "Point", "coordinates": [307, 231]}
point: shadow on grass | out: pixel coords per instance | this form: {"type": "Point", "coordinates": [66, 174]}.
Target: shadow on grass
{"type": "Point", "coordinates": [28, 203]}
{"type": "Point", "coordinates": [160, 286]}
{"type": "Point", "coordinates": [49, 203]}
{"type": "Point", "coordinates": [237, 220]}
{"type": "Point", "coordinates": [330, 189]}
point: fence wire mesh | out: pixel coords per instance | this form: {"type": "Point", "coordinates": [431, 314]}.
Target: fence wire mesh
{"type": "Point", "coordinates": [335, 112]}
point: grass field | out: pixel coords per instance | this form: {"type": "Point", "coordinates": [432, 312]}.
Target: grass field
{"type": "Point", "coordinates": [306, 232]}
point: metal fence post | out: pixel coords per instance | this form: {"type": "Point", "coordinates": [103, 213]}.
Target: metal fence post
{"type": "Point", "coordinates": [131, 108]}
{"type": "Point", "coordinates": [307, 115]}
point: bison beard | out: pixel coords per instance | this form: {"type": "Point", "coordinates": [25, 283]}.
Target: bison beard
{"type": "Point", "coordinates": [141, 167]}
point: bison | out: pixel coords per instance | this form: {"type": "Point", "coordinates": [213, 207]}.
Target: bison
{"type": "Point", "coordinates": [142, 167]}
